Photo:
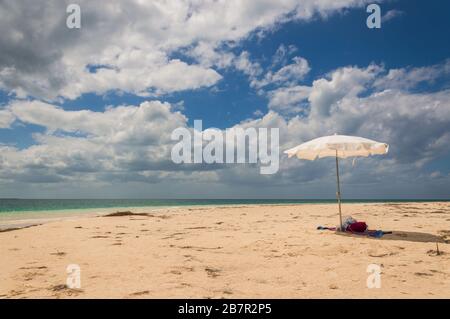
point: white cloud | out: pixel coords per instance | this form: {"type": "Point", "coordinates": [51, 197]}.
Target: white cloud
{"type": "Point", "coordinates": [289, 99]}
{"type": "Point", "coordinates": [208, 55]}
{"type": "Point", "coordinates": [6, 118]}
{"type": "Point", "coordinates": [137, 138]}
{"type": "Point", "coordinates": [409, 78]}
{"type": "Point", "coordinates": [347, 81]}
{"type": "Point", "coordinates": [326, 93]}
{"type": "Point", "coordinates": [258, 113]}
{"type": "Point", "coordinates": [415, 125]}
{"type": "Point", "coordinates": [155, 79]}
{"type": "Point", "coordinates": [40, 57]}
{"type": "Point", "coordinates": [392, 14]}
{"type": "Point", "coordinates": [244, 64]}
{"type": "Point", "coordinates": [132, 143]}
{"type": "Point", "coordinates": [282, 53]}
{"type": "Point", "coordinates": [349, 101]}
{"type": "Point", "coordinates": [286, 75]}
{"type": "Point", "coordinates": [134, 48]}
{"type": "Point", "coordinates": [125, 141]}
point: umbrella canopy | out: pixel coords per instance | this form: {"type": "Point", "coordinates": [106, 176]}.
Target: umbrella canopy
{"type": "Point", "coordinates": [342, 146]}
{"type": "Point", "coordinates": [338, 146]}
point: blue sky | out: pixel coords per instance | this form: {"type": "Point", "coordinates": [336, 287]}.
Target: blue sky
{"type": "Point", "coordinates": [334, 42]}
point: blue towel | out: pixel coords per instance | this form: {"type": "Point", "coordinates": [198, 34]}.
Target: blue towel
{"type": "Point", "coordinates": [377, 233]}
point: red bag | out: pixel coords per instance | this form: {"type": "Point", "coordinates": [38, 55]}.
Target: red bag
{"type": "Point", "coordinates": [358, 227]}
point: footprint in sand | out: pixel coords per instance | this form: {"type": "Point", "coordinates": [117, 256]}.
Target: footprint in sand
{"type": "Point", "coordinates": [212, 272]}
{"type": "Point", "coordinates": [31, 275]}
{"type": "Point", "coordinates": [37, 267]}
{"type": "Point", "coordinates": [180, 270]}
{"type": "Point", "coordinates": [436, 271]}
{"type": "Point", "coordinates": [380, 252]}
{"type": "Point", "coordinates": [33, 272]}
{"type": "Point", "coordinates": [422, 274]}
{"type": "Point", "coordinates": [59, 253]}
{"type": "Point", "coordinates": [333, 286]}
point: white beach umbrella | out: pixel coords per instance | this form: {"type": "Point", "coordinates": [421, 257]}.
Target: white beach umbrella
{"type": "Point", "coordinates": [338, 146]}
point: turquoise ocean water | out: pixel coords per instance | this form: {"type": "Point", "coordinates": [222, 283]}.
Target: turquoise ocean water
{"type": "Point", "coordinates": [19, 212]}
{"type": "Point", "coordinates": [36, 205]}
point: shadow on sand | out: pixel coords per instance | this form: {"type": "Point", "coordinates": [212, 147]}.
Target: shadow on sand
{"type": "Point", "coordinates": [406, 236]}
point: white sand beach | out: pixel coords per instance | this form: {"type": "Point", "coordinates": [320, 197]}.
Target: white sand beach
{"type": "Point", "coordinates": [255, 251]}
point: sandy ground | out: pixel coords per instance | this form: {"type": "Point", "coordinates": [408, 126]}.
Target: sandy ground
{"type": "Point", "coordinates": [233, 252]}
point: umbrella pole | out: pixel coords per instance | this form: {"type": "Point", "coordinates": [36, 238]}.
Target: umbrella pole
{"type": "Point", "coordinates": [338, 194]}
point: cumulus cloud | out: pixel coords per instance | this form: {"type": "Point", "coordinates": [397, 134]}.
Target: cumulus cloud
{"type": "Point", "coordinates": [344, 82]}
{"type": "Point", "coordinates": [289, 99]}
{"type": "Point", "coordinates": [286, 75]}
{"type": "Point", "coordinates": [324, 92]}
{"type": "Point", "coordinates": [6, 118]}
{"type": "Point", "coordinates": [352, 101]}
{"type": "Point", "coordinates": [410, 78]}
{"type": "Point", "coordinates": [132, 143]}
{"type": "Point", "coordinates": [414, 124]}
{"type": "Point", "coordinates": [135, 47]}
{"type": "Point", "coordinates": [134, 139]}
{"type": "Point", "coordinates": [280, 72]}
{"type": "Point", "coordinates": [244, 64]}
{"type": "Point", "coordinates": [134, 40]}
